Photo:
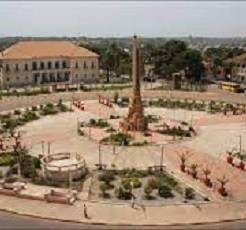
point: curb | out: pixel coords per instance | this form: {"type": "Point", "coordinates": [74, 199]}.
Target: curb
{"type": "Point", "coordinates": [127, 224]}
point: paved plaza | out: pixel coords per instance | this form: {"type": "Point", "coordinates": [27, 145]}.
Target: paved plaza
{"type": "Point", "coordinates": [216, 134]}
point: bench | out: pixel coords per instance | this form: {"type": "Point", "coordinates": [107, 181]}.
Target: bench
{"type": "Point", "coordinates": [61, 197]}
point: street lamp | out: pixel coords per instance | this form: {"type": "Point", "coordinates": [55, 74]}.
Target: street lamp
{"type": "Point", "coordinates": [42, 143]}
{"type": "Point", "coordinates": [240, 143]}
{"type": "Point", "coordinates": [49, 144]}
{"type": "Point", "coordinates": [99, 157]}
{"type": "Point", "coordinates": [161, 160]}
{"type": "Point", "coordinates": [132, 196]}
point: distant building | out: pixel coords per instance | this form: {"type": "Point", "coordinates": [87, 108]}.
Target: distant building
{"type": "Point", "coordinates": [239, 68]}
{"type": "Point", "coordinates": [35, 63]}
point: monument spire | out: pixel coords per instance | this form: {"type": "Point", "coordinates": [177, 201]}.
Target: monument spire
{"type": "Point", "coordinates": [135, 120]}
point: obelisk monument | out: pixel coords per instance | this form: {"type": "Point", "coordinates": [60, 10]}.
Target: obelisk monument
{"type": "Point", "coordinates": [135, 120]}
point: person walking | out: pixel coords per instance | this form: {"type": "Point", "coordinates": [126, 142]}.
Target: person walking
{"type": "Point", "coordinates": [85, 212]}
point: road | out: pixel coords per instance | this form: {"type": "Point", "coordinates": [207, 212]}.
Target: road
{"type": "Point", "coordinates": [13, 221]}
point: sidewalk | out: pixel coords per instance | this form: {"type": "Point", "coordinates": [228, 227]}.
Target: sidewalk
{"type": "Point", "coordinates": [106, 213]}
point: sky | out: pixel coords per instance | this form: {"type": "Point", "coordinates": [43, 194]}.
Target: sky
{"type": "Point", "coordinates": [119, 19]}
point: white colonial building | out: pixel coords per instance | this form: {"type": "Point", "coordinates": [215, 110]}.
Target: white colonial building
{"type": "Point", "coordinates": [36, 63]}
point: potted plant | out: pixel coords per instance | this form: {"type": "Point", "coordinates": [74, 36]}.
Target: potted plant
{"type": "Point", "coordinates": [183, 158]}
{"type": "Point", "coordinates": [222, 190]}
{"type": "Point", "coordinates": [193, 171]}
{"type": "Point", "coordinates": [230, 157]}
{"type": "Point", "coordinates": [206, 180]}
{"type": "Point", "coordinates": [241, 163]}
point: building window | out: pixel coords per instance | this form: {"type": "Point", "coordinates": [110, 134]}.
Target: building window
{"type": "Point", "coordinates": [41, 65]}
{"type": "Point", "coordinates": [26, 78]}
{"type": "Point", "coordinates": [85, 76]}
{"type": "Point", "coordinates": [16, 67]}
{"type": "Point", "coordinates": [49, 65]}
{"type": "Point", "coordinates": [26, 67]}
{"type": "Point", "coordinates": [76, 65]}
{"type": "Point", "coordinates": [17, 78]}
{"type": "Point", "coordinates": [7, 79]}
{"type": "Point", "coordinates": [66, 76]}
{"type": "Point", "coordinates": [85, 66]}
{"type": "Point", "coordinates": [64, 65]}
{"type": "Point", "coordinates": [7, 68]}
{"type": "Point", "coordinates": [57, 65]}
{"type": "Point", "coordinates": [93, 65]}
{"type": "Point", "coordinates": [34, 66]}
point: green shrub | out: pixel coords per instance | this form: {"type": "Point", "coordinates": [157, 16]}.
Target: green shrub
{"type": "Point", "coordinates": [17, 112]}
{"type": "Point", "coordinates": [37, 163]}
{"type": "Point", "coordinates": [165, 179]}
{"type": "Point", "coordinates": [28, 169]}
{"type": "Point", "coordinates": [103, 187]}
{"type": "Point", "coordinates": [106, 177]}
{"type": "Point", "coordinates": [189, 193]}
{"type": "Point", "coordinates": [116, 97]}
{"type": "Point", "coordinates": [142, 143]}
{"type": "Point", "coordinates": [134, 173]}
{"type": "Point", "coordinates": [153, 183]}
{"type": "Point", "coordinates": [148, 190]}
{"type": "Point", "coordinates": [123, 194]}
{"type": "Point", "coordinates": [102, 124]}
{"type": "Point", "coordinates": [81, 132]}
{"type": "Point", "coordinates": [34, 108]}
{"type": "Point", "coordinates": [11, 179]}
{"type": "Point", "coordinates": [62, 107]}
{"type": "Point", "coordinates": [128, 182]}
{"type": "Point", "coordinates": [7, 160]}
{"type": "Point", "coordinates": [49, 109]}
{"type": "Point", "coordinates": [92, 122]}
{"type": "Point", "coordinates": [165, 191]}
{"type": "Point", "coordinates": [114, 117]}
{"type": "Point", "coordinates": [118, 138]}
{"type": "Point", "coordinates": [10, 123]}
{"type": "Point", "coordinates": [110, 130]}
{"type": "Point", "coordinates": [29, 116]}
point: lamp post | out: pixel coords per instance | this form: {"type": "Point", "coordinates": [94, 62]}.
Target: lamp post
{"type": "Point", "coordinates": [49, 144]}
{"type": "Point", "coordinates": [240, 143]}
{"type": "Point", "coordinates": [132, 196]}
{"type": "Point", "coordinates": [99, 157]}
{"type": "Point", "coordinates": [89, 132]}
{"type": "Point", "coordinates": [42, 143]}
{"type": "Point", "coordinates": [161, 160]}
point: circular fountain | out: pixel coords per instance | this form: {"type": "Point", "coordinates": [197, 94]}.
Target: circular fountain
{"type": "Point", "coordinates": [63, 166]}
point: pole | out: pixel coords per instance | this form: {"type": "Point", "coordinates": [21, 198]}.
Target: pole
{"type": "Point", "coordinates": [161, 161]}
{"type": "Point", "coordinates": [114, 149]}
{"type": "Point", "coordinates": [70, 180]}
{"type": "Point", "coordinates": [240, 143]}
{"type": "Point", "coordinates": [49, 148]}
{"type": "Point", "coordinates": [99, 157]}
{"type": "Point", "coordinates": [42, 147]}
{"type": "Point", "coordinates": [89, 132]}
